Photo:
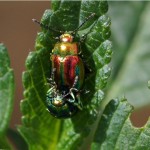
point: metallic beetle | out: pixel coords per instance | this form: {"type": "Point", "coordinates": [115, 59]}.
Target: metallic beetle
{"type": "Point", "coordinates": [63, 97]}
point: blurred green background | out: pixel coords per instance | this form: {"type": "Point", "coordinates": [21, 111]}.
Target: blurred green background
{"type": "Point", "coordinates": [131, 59]}
{"type": "Point", "coordinates": [131, 50]}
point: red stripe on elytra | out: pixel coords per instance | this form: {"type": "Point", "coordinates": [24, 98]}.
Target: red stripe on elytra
{"type": "Point", "coordinates": [69, 67]}
{"type": "Point", "coordinates": [66, 71]}
{"type": "Point", "coordinates": [56, 65]}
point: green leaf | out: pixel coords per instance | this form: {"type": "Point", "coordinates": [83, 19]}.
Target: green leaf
{"type": "Point", "coordinates": [40, 129]}
{"type": "Point", "coordinates": [17, 140]}
{"type": "Point", "coordinates": [115, 130]}
{"type": "Point", "coordinates": [131, 61]}
{"type": "Point", "coordinates": [4, 143]}
{"type": "Point", "coordinates": [6, 94]}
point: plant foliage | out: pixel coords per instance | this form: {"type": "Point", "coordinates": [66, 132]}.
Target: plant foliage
{"type": "Point", "coordinates": [6, 94]}
{"type": "Point", "coordinates": [115, 130]}
{"type": "Point", "coordinates": [40, 129]}
{"type": "Point", "coordinates": [96, 127]}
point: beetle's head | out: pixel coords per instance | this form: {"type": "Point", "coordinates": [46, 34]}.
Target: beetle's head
{"type": "Point", "coordinates": [58, 100]}
{"type": "Point", "coordinates": [66, 37]}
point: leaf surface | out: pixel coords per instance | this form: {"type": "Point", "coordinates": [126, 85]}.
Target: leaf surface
{"type": "Point", "coordinates": [6, 94]}
{"type": "Point", "coordinates": [40, 129]}
{"type": "Point", "coordinates": [115, 130]}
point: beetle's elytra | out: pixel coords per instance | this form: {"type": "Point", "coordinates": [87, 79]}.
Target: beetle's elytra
{"type": "Point", "coordinates": [63, 97]}
{"type": "Point", "coordinates": [67, 63]}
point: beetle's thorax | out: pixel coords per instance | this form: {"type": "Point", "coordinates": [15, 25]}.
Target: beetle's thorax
{"type": "Point", "coordinates": [65, 49]}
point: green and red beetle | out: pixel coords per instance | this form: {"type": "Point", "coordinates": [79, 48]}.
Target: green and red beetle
{"type": "Point", "coordinates": [67, 63]}
{"type": "Point", "coordinates": [63, 98]}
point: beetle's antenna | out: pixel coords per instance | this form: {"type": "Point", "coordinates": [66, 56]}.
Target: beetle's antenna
{"type": "Point", "coordinates": [46, 27]}
{"type": "Point", "coordinates": [89, 17]}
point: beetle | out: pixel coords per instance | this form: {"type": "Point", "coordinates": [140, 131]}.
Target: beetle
{"type": "Point", "coordinates": [63, 104]}
{"type": "Point", "coordinates": [68, 64]}
{"type": "Point", "coordinates": [63, 97]}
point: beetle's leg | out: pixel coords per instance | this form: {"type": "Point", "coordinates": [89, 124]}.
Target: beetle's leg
{"type": "Point", "coordinates": [71, 92]}
{"type": "Point", "coordinates": [75, 81]}
{"type": "Point", "coordinates": [76, 90]}
{"type": "Point", "coordinates": [50, 82]}
{"type": "Point", "coordinates": [78, 103]}
{"type": "Point", "coordinates": [51, 79]}
{"type": "Point", "coordinates": [52, 89]}
{"type": "Point", "coordinates": [73, 87]}
{"type": "Point", "coordinates": [75, 100]}
{"type": "Point", "coordinates": [80, 106]}
{"type": "Point", "coordinates": [50, 94]}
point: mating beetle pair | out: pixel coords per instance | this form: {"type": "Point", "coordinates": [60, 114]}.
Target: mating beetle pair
{"type": "Point", "coordinates": [63, 98]}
